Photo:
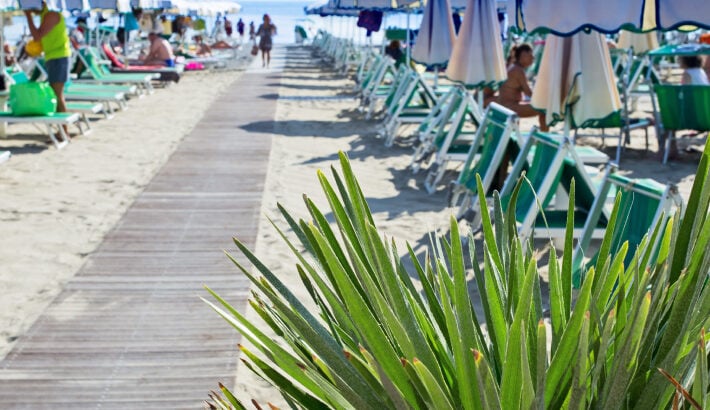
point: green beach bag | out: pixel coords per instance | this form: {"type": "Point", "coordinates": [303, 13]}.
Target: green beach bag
{"type": "Point", "coordinates": [32, 98]}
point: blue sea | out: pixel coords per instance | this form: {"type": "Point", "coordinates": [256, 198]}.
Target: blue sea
{"type": "Point", "coordinates": [285, 14]}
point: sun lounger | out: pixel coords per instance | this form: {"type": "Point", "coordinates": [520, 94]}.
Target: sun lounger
{"type": "Point", "coordinates": [412, 106]}
{"type": "Point", "coordinates": [54, 124]}
{"type": "Point", "coordinates": [550, 163]}
{"type": "Point", "coordinates": [167, 74]}
{"type": "Point", "coordinates": [643, 204]}
{"type": "Point", "coordinates": [97, 75]}
{"type": "Point", "coordinates": [485, 158]}
{"type": "Point", "coordinates": [86, 109]}
{"type": "Point", "coordinates": [109, 100]}
{"type": "Point", "coordinates": [452, 141]}
{"type": "Point", "coordinates": [682, 107]}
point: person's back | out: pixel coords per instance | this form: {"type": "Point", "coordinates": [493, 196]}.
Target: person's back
{"type": "Point", "coordinates": [693, 73]}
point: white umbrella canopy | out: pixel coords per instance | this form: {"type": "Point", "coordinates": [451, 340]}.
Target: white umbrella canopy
{"type": "Point", "coordinates": [436, 35]}
{"type": "Point", "coordinates": [576, 81]}
{"type": "Point", "coordinates": [672, 14]}
{"type": "Point", "coordinates": [123, 6]}
{"type": "Point", "coordinates": [566, 17]}
{"type": "Point", "coordinates": [55, 5]}
{"type": "Point", "coordinates": [477, 57]}
{"type": "Point", "coordinates": [639, 42]}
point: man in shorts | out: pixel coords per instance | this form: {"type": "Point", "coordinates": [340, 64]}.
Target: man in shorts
{"type": "Point", "coordinates": [52, 34]}
{"type": "Point", "coordinates": [160, 52]}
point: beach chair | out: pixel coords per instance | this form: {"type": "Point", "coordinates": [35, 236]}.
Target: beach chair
{"type": "Point", "coordinates": [682, 107]}
{"type": "Point", "coordinates": [384, 83]}
{"type": "Point", "coordinates": [55, 121]}
{"type": "Point", "coordinates": [452, 143]}
{"type": "Point", "coordinates": [436, 126]}
{"type": "Point", "coordinates": [167, 74]}
{"type": "Point", "coordinates": [549, 163]}
{"type": "Point", "coordinates": [412, 106]}
{"type": "Point", "coordinates": [485, 158]}
{"type": "Point", "coordinates": [644, 203]}
{"type": "Point", "coordinates": [98, 75]}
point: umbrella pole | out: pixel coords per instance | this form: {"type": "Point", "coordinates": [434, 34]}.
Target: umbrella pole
{"type": "Point", "coordinates": [568, 123]}
{"type": "Point", "coordinates": [384, 32]}
{"type": "Point", "coordinates": [436, 76]}
{"type": "Point", "coordinates": [409, 55]}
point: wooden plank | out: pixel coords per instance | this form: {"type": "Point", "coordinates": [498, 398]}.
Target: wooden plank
{"type": "Point", "coordinates": [130, 330]}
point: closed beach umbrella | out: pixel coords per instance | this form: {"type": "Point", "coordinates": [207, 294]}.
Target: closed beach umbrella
{"type": "Point", "coordinates": [576, 80]}
{"type": "Point", "coordinates": [477, 58]}
{"type": "Point", "coordinates": [436, 35]}
{"type": "Point", "coordinates": [639, 42]}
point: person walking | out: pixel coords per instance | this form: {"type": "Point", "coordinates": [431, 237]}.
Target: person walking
{"type": "Point", "coordinates": [252, 32]}
{"type": "Point", "coordinates": [265, 32]}
{"type": "Point", "coordinates": [52, 34]}
{"type": "Point", "coordinates": [240, 30]}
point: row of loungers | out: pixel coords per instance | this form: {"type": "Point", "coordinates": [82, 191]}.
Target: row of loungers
{"type": "Point", "coordinates": [101, 93]}
{"type": "Point", "coordinates": [492, 154]}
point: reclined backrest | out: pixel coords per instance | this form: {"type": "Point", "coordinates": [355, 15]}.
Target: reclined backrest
{"type": "Point", "coordinates": [491, 140]}
{"type": "Point", "coordinates": [684, 107]}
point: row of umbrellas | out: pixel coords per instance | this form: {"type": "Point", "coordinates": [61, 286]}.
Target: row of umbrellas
{"type": "Point", "coordinates": [123, 5]}
{"type": "Point", "coordinates": [575, 64]}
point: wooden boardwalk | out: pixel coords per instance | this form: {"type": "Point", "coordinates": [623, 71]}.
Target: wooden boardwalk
{"type": "Point", "coordinates": [129, 330]}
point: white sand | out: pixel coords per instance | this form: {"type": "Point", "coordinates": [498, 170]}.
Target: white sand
{"type": "Point", "coordinates": [56, 206]}
{"type": "Point", "coordinates": [321, 120]}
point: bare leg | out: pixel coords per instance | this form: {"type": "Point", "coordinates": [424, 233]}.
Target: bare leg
{"type": "Point", "coordinates": [526, 111]}
{"type": "Point", "coordinates": [268, 57]}
{"type": "Point", "coordinates": [58, 89]}
{"type": "Point", "coordinates": [263, 58]}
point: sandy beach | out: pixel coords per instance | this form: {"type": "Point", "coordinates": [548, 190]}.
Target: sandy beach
{"type": "Point", "coordinates": [316, 118]}
{"type": "Point", "coordinates": [57, 206]}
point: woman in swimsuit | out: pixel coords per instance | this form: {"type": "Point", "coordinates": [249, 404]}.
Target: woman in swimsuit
{"type": "Point", "coordinates": [510, 93]}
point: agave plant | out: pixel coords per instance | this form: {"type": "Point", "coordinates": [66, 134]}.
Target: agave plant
{"type": "Point", "coordinates": [381, 339]}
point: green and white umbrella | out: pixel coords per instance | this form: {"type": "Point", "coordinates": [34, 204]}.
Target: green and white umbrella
{"type": "Point", "coordinates": [477, 58]}
{"type": "Point", "coordinates": [566, 17]}
{"type": "Point", "coordinates": [576, 81]}
{"type": "Point", "coordinates": [436, 35]}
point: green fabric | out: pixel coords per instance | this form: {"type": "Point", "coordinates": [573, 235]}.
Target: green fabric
{"type": "Point", "coordinates": [55, 43]}
{"type": "Point", "coordinates": [492, 137]}
{"type": "Point", "coordinates": [684, 107]}
{"type": "Point", "coordinates": [536, 171]}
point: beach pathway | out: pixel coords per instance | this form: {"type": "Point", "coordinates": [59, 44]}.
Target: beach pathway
{"type": "Point", "coordinates": [129, 330]}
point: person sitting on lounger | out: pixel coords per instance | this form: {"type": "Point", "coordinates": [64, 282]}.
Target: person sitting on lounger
{"type": "Point", "coordinates": [202, 49]}
{"type": "Point", "coordinates": [510, 93]}
{"type": "Point", "coordinates": [692, 71]}
{"type": "Point", "coordinates": [160, 52]}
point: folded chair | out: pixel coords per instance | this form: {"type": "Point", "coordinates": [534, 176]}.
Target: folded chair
{"type": "Point", "coordinates": [550, 162]}
{"type": "Point", "coordinates": [412, 106]}
{"type": "Point", "coordinates": [643, 204]}
{"type": "Point", "coordinates": [453, 110]}
{"type": "Point", "coordinates": [682, 107]}
{"type": "Point", "coordinates": [452, 143]}
{"type": "Point", "coordinates": [485, 158]}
